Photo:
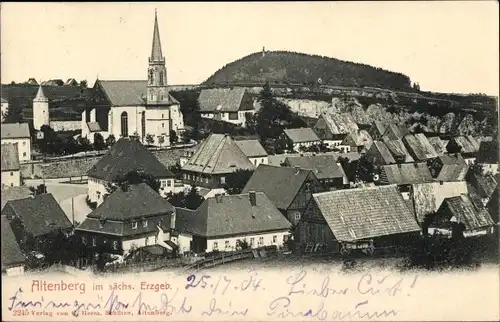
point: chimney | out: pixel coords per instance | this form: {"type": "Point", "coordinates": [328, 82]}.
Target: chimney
{"type": "Point", "coordinates": [218, 197]}
{"type": "Point", "coordinates": [253, 198]}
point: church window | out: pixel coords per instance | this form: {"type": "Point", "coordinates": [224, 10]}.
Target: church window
{"type": "Point", "coordinates": [162, 124]}
{"type": "Point", "coordinates": [143, 123]}
{"type": "Point", "coordinates": [161, 78]}
{"type": "Point", "coordinates": [124, 124]}
{"type": "Point", "coordinates": [150, 76]}
{"type": "Point", "coordinates": [161, 96]}
{"type": "Point", "coordinates": [151, 96]}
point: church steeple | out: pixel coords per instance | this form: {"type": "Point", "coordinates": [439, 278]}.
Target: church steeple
{"type": "Point", "coordinates": [157, 72]}
{"type": "Point", "coordinates": [40, 96]}
{"type": "Point", "coordinates": [156, 54]}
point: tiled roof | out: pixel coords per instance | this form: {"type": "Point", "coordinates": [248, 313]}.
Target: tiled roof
{"type": "Point", "coordinates": [483, 185]}
{"type": "Point", "coordinates": [128, 155]}
{"type": "Point", "coordinates": [488, 152]}
{"type": "Point", "coordinates": [467, 144]}
{"type": "Point", "coordinates": [137, 202]}
{"type": "Point", "coordinates": [472, 214]}
{"type": "Point", "coordinates": [233, 215]}
{"type": "Point", "coordinates": [15, 130]}
{"type": "Point", "coordinates": [362, 213]}
{"type": "Point", "coordinates": [407, 173]}
{"type": "Point", "coordinates": [14, 193]}
{"type": "Point", "coordinates": [40, 214]}
{"type": "Point", "coordinates": [280, 184]}
{"type": "Point", "coordinates": [358, 138]}
{"type": "Point", "coordinates": [301, 135]}
{"type": "Point", "coordinates": [378, 128]}
{"type": "Point", "coordinates": [10, 157]}
{"type": "Point", "coordinates": [221, 99]}
{"type": "Point", "coordinates": [218, 154]}
{"type": "Point", "coordinates": [129, 92]}
{"type": "Point", "coordinates": [384, 152]}
{"type": "Point", "coordinates": [251, 148]}
{"type": "Point", "coordinates": [454, 168]}
{"type": "Point", "coordinates": [40, 96]}
{"type": "Point", "coordinates": [120, 228]}
{"type": "Point", "coordinates": [437, 144]}
{"type": "Point", "coordinates": [398, 150]}
{"type": "Point", "coordinates": [394, 132]}
{"type": "Point", "coordinates": [323, 166]}
{"type": "Point", "coordinates": [340, 123]}
{"type": "Point", "coordinates": [94, 127]}
{"type": "Point", "coordinates": [11, 252]}
{"type": "Point", "coordinates": [419, 147]}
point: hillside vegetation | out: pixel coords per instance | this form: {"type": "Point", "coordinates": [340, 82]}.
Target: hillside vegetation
{"type": "Point", "coordinates": [297, 68]}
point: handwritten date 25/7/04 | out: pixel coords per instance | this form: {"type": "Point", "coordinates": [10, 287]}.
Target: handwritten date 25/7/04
{"type": "Point", "coordinates": [222, 283]}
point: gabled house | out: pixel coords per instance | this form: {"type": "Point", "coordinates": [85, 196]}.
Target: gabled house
{"type": "Point", "coordinates": [438, 144]}
{"type": "Point", "coordinates": [379, 154]}
{"type": "Point", "coordinates": [12, 256]}
{"type": "Point", "coordinates": [488, 156]}
{"type": "Point", "coordinates": [377, 130]}
{"type": "Point", "coordinates": [376, 216]}
{"type": "Point", "coordinates": [14, 193]}
{"type": "Point", "coordinates": [222, 222]}
{"type": "Point", "coordinates": [404, 175]}
{"type": "Point", "coordinates": [358, 140]}
{"type": "Point", "coordinates": [11, 175]}
{"type": "Point", "coordinates": [329, 173]}
{"type": "Point", "coordinates": [36, 220]}
{"type": "Point", "coordinates": [225, 104]}
{"type": "Point", "coordinates": [254, 151]}
{"type": "Point", "coordinates": [419, 147]}
{"type": "Point", "coordinates": [481, 186]}
{"type": "Point", "coordinates": [448, 167]}
{"type": "Point", "coordinates": [125, 156]}
{"type": "Point", "coordinates": [301, 137]}
{"type": "Point", "coordinates": [289, 189]}
{"type": "Point", "coordinates": [467, 146]}
{"type": "Point", "coordinates": [17, 133]}
{"type": "Point", "coordinates": [332, 128]}
{"type": "Point", "coordinates": [399, 151]}
{"type": "Point", "coordinates": [131, 217]}
{"type": "Point", "coordinates": [215, 158]}
{"type": "Point", "coordinates": [71, 82]}
{"type": "Point", "coordinates": [394, 132]}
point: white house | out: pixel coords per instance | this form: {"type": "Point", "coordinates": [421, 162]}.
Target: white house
{"type": "Point", "coordinates": [17, 133]}
{"type": "Point", "coordinates": [11, 176]}
{"type": "Point", "coordinates": [254, 151]}
{"type": "Point", "coordinates": [226, 104]}
{"type": "Point", "coordinates": [301, 137]}
{"type": "Point", "coordinates": [5, 107]}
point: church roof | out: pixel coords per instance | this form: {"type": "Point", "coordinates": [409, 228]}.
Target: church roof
{"type": "Point", "coordinates": [156, 53]}
{"type": "Point", "coordinates": [128, 92]}
{"type": "Point", "coordinates": [40, 96]}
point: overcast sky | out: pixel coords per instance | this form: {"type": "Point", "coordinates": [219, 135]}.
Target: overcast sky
{"type": "Point", "coordinates": [445, 46]}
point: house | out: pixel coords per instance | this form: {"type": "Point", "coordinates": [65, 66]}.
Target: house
{"type": "Point", "coordinates": [12, 257]}
{"type": "Point", "coordinates": [289, 189]}
{"type": "Point", "coordinates": [358, 140]}
{"type": "Point", "coordinates": [329, 173]}
{"type": "Point", "coordinates": [448, 167]}
{"type": "Point", "coordinates": [467, 146]}
{"type": "Point", "coordinates": [488, 156]}
{"type": "Point", "coordinates": [493, 205]}
{"type": "Point", "coordinates": [399, 151]}
{"type": "Point", "coordinates": [463, 210]}
{"type": "Point", "coordinates": [4, 108]}
{"type": "Point", "coordinates": [14, 193]}
{"type": "Point", "coordinates": [18, 133]}
{"type": "Point", "coordinates": [394, 132]}
{"type": "Point", "coordinates": [226, 104]}
{"type": "Point", "coordinates": [125, 156]}
{"type": "Point", "coordinates": [32, 81]}
{"type": "Point", "coordinates": [404, 175]}
{"type": "Point", "coordinates": [438, 144]}
{"type": "Point", "coordinates": [53, 82]}
{"type": "Point", "coordinates": [339, 219]}
{"type": "Point", "coordinates": [481, 186]}
{"type": "Point", "coordinates": [140, 108]}
{"type": "Point", "coordinates": [36, 219]}
{"type": "Point", "coordinates": [332, 128]}
{"type": "Point", "coordinates": [71, 82]}
{"type": "Point", "coordinates": [419, 147]}
{"type": "Point", "coordinates": [379, 154]}
{"type": "Point", "coordinates": [215, 158]}
{"type": "Point", "coordinates": [301, 137]}
{"type": "Point", "coordinates": [131, 217]}
{"type": "Point", "coordinates": [254, 151]}
{"type": "Point", "coordinates": [221, 223]}
{"type": "Point", "coordinates": [11, 175]}
{"type": "Point", "coordinates": [377, 130]}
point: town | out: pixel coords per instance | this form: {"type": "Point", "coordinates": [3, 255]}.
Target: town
{"type": "Point", "coordinates": [140, 175]}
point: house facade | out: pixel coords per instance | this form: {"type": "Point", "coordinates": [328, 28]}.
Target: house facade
{"type": "Point", "coordinates": [12, 256]}
{"type": "Point", "coordinates": [301, 137]}
{"type": "Point", "coordinates": [467, 146]}
{"type": "Point", "coordinates": [17, 133]}
{"type": "Point", "coordinates": [225, 104]}
{"type": "Point", "coordinates": [328, 172]}
{"type": "Point", "coordinates": [332, 128]}
{"type": "Point", "coordinates": [254, 151]}
{"type": "Point", "coordinates": [488, 156]}
{"type": "Point", "coordinates": [11, 175]}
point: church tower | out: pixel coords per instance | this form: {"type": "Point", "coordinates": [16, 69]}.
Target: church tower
{"type": "Point", "coordinates": [157, 72]}
{"type": "Point", "coordinates": [40, 109]}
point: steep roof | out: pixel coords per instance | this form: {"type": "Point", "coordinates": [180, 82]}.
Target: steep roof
{"type": "Point", "coordinates": [136, 202]}
{"type": "Point", "coordinates": [218, 154]}
{"type": "Point", "coordinates": [10, 157]}
{"type": "Point", "coordinates": [221, 99]}
{"type": "Point", "coordinates": [301, 135]}
{"type": "Point", "coordinates": [280, 184]}
{"type": "Point", "coordinates": [11, 252]}
{"type": "Point", "coordinates": [484, 185]}
{"type": "Point", "coordinates": [472, 214]}
{"type": "Point", "coordinates": [40, 214]}
{"type": "Point", "coordinates": [362, 213]}
{"type": "Point", "coordinates": [14, 193]}
{"type": "Point", "coordinates": [358, 138]}
{"type": "Point", "coordinates": [339, 123]}
{"type": "Point", "coordinates": [394, 132]}
{"type": "Point", "coordinates": [156, 53]}
{"type": "Point", "coordinates": [384, 152]}
{"type": "Point", "coordinates": [323, 166]}
{"type": "Point", "coordinates": [380, 127]}
{"type": "Point", "coordinates": [128, 155]}
{"type": "Point", "coordinates": [251, 148]}
{"type": "Point", "coordinates": [233, 215]}
{"type": "Point", "coordinates": [40, 96]}
{"type": "Point", "coordinates": [128, 92]}
{"type": "Point", "coordinates": [437, 144]}
{"type": "Point", "coordinates": [419, 147]}
{"type": "Point", "coordinates": [15, 130]}
{"type": "Point", "coordinates": [398, 149]}
{"type": "Point", "coordinates": [488, 152]}
{"type": "Point", "coordinates": [467, 144]}
{"type": "Point", "coordinates": [407, 173]}
{"type": "Point", "coordinates": [454, 168]}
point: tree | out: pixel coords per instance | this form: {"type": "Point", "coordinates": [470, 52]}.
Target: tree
{"type": "Point", "coordinates": [83, 83]}
{"type": "Point", "coordinates": [14, 113]}
{"type": "Point", "coordinates": [99, 143]}
{"type": "Point", "coordinates": [236, 181]}
{"type": "Point", "coordinates": [84, 143]}
{"type": "Point", "coordinates": [150, 139]}
{"type": "Point", "coordinates": [161, 140]}
{"type": "Point", "coordinates": [40, 189]}
{"type": "Point", "coordinates": [173, 137]}
{"type": "Point", "coordinates": [176, 170]}
{"type": "Point", "coordinates": [191, 200]}
{"type": "Point", "coordinates": [133, 178]}
{"type": "Point", "coordinates": [365, 170]}
{"type": "Point", "coordinates": [110, 140]}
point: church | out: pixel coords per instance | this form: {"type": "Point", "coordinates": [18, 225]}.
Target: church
{"type": "Point", "coordinates": [125, 108]}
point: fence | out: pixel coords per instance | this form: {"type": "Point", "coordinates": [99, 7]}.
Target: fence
{"type": "Point", "coordinates": [147, 266]}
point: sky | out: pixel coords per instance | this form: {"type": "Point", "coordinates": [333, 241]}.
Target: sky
{"type": "Point", "coordinates": [449, 46]}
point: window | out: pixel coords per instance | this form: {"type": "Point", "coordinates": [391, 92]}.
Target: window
{"type": "Point", "coordinates": [162, 116]}
{"type": "Point", "coordinates": [297, 216]}
{"type": "Point", "coordinates": [144, 223]}
{"type": "Point", "coordinates": [163, 125]}
{"type": "Point", "coordinates": [124, 124]}
{"type": "Point", "coordinates": [11, 174]}
{"type": "Point", "coordinates": [12, 184]}
{"type": "Point", "coordinates": [146, 241]}
{"type": "Point", "coordinates": [161, 96]}
{"type": "Point", "coordinates": [169, 183]}
{"type": "Point", "coordinates": [115, 244]}
{"type": "Point", "coordinates": [252, 241]}
{"type": "Point", "coordinates": [24, 143]}
{"type": "Point", "coordinates": [262, 161]}
{"type": "Point", "coordinates": [255, 161]}
{"type": "Point", "coordinates": [151, 96]}
{"type": "Point", "coordinates": [261, 240]}
{"type": "Point", "coordinates": [275, 239]}
{"type": "Point", "coordinates": [222, 180]}
{"type": "Point", "coordinates": [94, 242]}
{"type": "Point", "coordinates": [163, 184]}
{"type": "Point", "coordinates": [84, 240]}
{"type": "Point", "coordinates": [233, 115]}
{"type": "Point", "coordinates": [226, 244]}
{"type": "Point", "coordinates": [143, 123]}
{"type": "Point", "coordinates": [161, 78]}
{"type": "Point", "coordinates": [134, 225]}
{"type": "Point", "coordinates": [216, 245]}
{"type": "Point", "coordinates": [24, 154]}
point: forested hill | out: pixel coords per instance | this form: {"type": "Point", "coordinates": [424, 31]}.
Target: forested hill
{"type": "Point", "coordinates": [297, 68]}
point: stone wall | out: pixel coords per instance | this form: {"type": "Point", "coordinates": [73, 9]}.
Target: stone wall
{"type": "Point", "coordinates": [66, 125]}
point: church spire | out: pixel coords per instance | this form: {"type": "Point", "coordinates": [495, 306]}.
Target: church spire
{"type": "Point", "coordinates": [156, 54]}
{"type": "Point", "coordinates": [40, 96]}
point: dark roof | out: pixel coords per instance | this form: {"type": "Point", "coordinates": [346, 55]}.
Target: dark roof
{"type": "Point", "coordinates": [14, 193]}
{"type": "Point", "coordinates": [232, 215]}
{"type": "Point", "coordinates": [301, 135]}
{"type": "Point", "coordinates": [468, 211]}
{"type": "Point", "coordinates": [384, 152]}
{"type": "Point", "coordinates": [221, 99]}
{"type": "Point", "coordinates": [488, 152]}
{"type": "Point", "coordinates": [280, 184]}
{"type": "Point", "coordinates": [11, 252]}
{"type": "Point", "coordinates": [493, 205]}
{"type": "Point", "coordinates": [94, 126]}
{"type": "Point", "coordinates": [358, 138]}
{"type": "Point", "coordinates": [483, 185]}
{"type": "Point", "coordinates": [137, 202]}
{"type": "Point", "coordinates": [438, 144]}
{"type": "Point", "coordinates": [251, 148]}
{"type": "Point", "coordinates": [407, 173]}
{"type": "Point", "coordinates": [380, 127]}
{"type": "Point", "coordinates": [419, 147]}
{"type": "Point", "coordinates": [398, 149]}
{"type": "Point", "coordinates": [9, 157]}
{"type": "Point", "coordinates": [125, 156]}
{"type": "Point", "coordinates": [128, 92]}
{"type": "Point", "coordinates": [218, 154]}
{"type": "Point", "coordinates": [39, 214]}
{"type": "Point", "coordinates": [467, 144]}
{"type": "Point", "coordinates": [339, 123]}
{"type": "Point", "coordinates": [362, 213]}
{"type": "Point", "coordinates": [323, 166]}
{"type": "Point", "coordinates": [454, 168]}
{"type": "Point", "coordinates": [394, 132]}
{"type": "Point", "coordinates": [15, 130]}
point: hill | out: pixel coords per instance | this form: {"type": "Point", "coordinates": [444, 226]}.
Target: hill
{"type": "Point", "coordinates": [298, 68]}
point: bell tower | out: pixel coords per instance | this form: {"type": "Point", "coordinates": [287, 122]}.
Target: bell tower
{"type": "Point", "coordinates": [40, 109]}
{"type": "Point", "coordinates": [157, 72]}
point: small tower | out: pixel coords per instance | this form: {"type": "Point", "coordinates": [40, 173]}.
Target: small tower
{"type": "Point", "coordinates": [263, 51]}
{"type": "Point", "coordinates": [40, 109]}
{"type": "Point", "coordinates": [157, 72]}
